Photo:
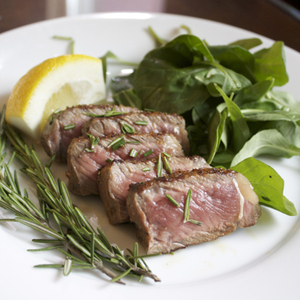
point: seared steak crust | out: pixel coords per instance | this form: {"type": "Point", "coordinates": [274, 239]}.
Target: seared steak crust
{"type": "Point", "coordinates": [56, 139]}
{"type": "Point", "coordinates": [114, 180]}
{"type": "Point", "coordinates": [153, 122]}
{"type": "Point", "coordinates": [222, 199]}
{"type": "Point", "coordinates": [83, 165]}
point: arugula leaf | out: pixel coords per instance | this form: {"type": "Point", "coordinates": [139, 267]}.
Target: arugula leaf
{"type": "Point", "coordinates": [283, 100]}
{"type": "Point", "coordinates": [198, 139]}
{"type": "Point", "coordinates": [267, 184]}
{"type": "Point", "coordinates": [196, 46]}
{"type": "Point", "coordinates": [202, 112]}
{"type": "Point", "coordinates": [266, 142]}
{"type": "Point", "coordinates": [233, 81]}
{"type": "Point", "coordinates": [253, 93]}
{"type": "Point", "coordinates": [271, 62]}
{"type": "Point", "coordinates": [228, 79]}
{"type": "Point", "coordinates": [223, 158]}
{"type": "Point", "coordinates": [215, 132]}
{"type": "Point", "coordinates": [290, 130]}
{"type": "Point", "coordinates": [247, 43]}
{"type": "Point", "coordinates": [235, 58]}
{"type": "Point", "coordinates": [275, 115]}
{"type": "Point", "coordinates": [177, 55]}
{"type": "Point", "coordinates": [241, 132]}
{"type": "Point", "coordinates": [163, 87]}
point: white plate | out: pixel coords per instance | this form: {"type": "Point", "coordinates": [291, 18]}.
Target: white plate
{"type": "Point", "coordinates": [262, 261]}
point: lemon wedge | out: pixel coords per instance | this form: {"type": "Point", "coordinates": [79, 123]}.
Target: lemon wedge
{"type": "Point", "coordinates": [56, 83]}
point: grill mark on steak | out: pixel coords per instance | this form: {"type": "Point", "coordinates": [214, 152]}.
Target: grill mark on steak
{"type": "Point", "coordinates": [83, 166]}
{"type": "Point", "coordinates": [156, 122]}
{"type": "Point", "coordinates": [56, 140]}
{"type": "Point", "coordinates": [114, 180]}
{"type": "Point", "coordinates": [215, 201]}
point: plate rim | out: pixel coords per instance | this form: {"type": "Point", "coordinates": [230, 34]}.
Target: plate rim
{"type": "Point", "coordinates": [157, 15]}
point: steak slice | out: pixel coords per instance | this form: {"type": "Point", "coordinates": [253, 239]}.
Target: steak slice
{"type": "Point", "coordinates": [221, 199]}
{"type": "Point", "coordinates": [153, 122]}
{"type": "Point", "coordinates": [114, 180]}
{"type": "Point", "coordinates": [56, 139]}
{"type": "Point", "coordinates": [83, 166]}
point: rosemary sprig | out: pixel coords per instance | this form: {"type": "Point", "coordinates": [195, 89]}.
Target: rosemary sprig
{"type": "Point", "coordinates": [70, 232]}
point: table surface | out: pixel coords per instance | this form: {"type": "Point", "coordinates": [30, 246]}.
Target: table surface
{"type": "Point", "coordinates": [259, 16]}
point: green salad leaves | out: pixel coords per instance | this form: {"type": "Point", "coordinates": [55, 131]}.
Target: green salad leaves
{"type": "Point", "coordinates": [225, 93]}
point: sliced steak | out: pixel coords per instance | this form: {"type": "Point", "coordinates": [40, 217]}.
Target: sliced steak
{"type": "Point", "coordinates": [141, 122]}
{"type": "Point", "coordinates": [114, 180]}
{"type": "Point", "coordinates": [83, 165]}
{"type": "Point", "coordinates": [221, 199]}
{"type": "Point", "coordinates": [56, 139]}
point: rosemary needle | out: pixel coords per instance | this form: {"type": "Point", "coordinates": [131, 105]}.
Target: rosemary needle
{"type": "Point", "coordinates": [159, 166]}
{"type": "Point", "coordinates": [126, 128]}
{"type": "Point", "coordinates": [141, 122]}
{"type": "Point", "coordinates": [173, 201]}
{"type": "Point", "coordinates": [116, 141]}
{"type": "Point", "coordinates": [69, 126]}
{"type": "Point", "coordinates": [148, 153]}
{"type": "Point", "coordinates": [166, 154]}
{"type": "Point", "coordinates": [187, 210]}
{"type": "Point", "coordinates": [133, 153]}
{"type": "Point", "coordinates": [187, 206]}
{"type": "Point", "coordinates": [167, 165]}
